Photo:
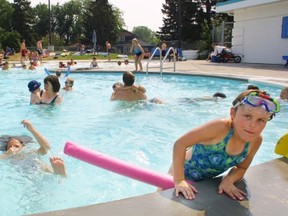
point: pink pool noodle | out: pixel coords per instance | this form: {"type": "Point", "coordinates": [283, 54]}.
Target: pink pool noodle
{"type": "Point", "coordinates": [118, 166]}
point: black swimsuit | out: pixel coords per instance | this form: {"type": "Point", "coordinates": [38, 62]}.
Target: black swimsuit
{"type": "Point", "coordinates": [52, 102]}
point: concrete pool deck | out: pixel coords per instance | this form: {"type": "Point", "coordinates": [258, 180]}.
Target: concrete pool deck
{"type": "Point", "coordinates": [274, 74]}
{"type": "Point", "coordinates": [266, 184]}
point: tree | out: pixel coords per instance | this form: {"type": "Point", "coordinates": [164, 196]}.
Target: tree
{"type": "Point", "coordinates": [6, 11]}
{"type": "Point", "coordinates": [118, 18]}
{"type": "Point", "coordinates": [22, 20]}
{"type": "Point", "coordinates": [68, 20]}
{"type": "Point", "coordinates": [10, 39]}
{"type": "Point", "coordinates": [41, 19]}
{"type": "Point", "coordinates": [170, 30]}
{"type": "Point", "coordinates": [184, 20]}
{"type": "Point", "coordinates": [180, 22]}
{"type": "Point", "coordinates": [99, 16]}
{"type": "Point", "coordinates": [144, 33]}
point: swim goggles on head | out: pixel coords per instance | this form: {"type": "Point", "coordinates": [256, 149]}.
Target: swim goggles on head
{"type": "Point", "coordinates": [256, 99]}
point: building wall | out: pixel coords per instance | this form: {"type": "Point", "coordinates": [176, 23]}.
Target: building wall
{"type": "Point", "coordinates": [257, 33]}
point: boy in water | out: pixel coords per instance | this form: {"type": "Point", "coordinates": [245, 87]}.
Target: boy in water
{"type": "Point", "coordinates": [34, 88]}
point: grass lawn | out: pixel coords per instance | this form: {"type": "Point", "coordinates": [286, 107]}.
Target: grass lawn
{"type": "Point", "coordinates": [89, 57]}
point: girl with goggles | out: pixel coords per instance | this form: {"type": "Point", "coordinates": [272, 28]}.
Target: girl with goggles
{"type": "Point", "coordinates": [257, 99]}
{"type": "Point", "coordinates": [211, 149]}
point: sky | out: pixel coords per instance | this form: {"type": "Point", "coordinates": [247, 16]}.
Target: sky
{"type": "Point", "coordinates": [135, 12]}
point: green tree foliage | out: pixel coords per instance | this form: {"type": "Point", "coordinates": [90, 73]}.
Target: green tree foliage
{"type": "Point", "coordinates": [23, 21]}
{"type": "Point", "coordinates": [6, 11]}
{"type": "Point", "coordinates": [10, 39]}
{"type": "Point", "coordinates": [41, 19]}
{"type": "Point", "coordinates": [205, 42]}
{"type": "Point", "coordinates": [170, 30]}
{"type": "Point", "coordinates": [71, 22]}
{"type": "Point", "coordinates": [144, 33]}
{"type": "Point", "coordinates": [118, 18]}
{"type": "Point", "coordinates": [185, 20]}
{"type": "Point", "coordinates": [99, 16]}
{"type": "Point", "coordinates": [181, 21]}
{"type": "Point", "coordinates": [68, 20]}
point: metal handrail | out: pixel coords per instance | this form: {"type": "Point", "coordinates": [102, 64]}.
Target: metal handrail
{"type": "Point", "coordinates": [151, 57]}
{"type": "Point", "coordinates": [165, 57]}
{"type": "Point", "coordinates": [162, 61]}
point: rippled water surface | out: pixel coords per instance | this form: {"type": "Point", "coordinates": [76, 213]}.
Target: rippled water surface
{"type": "Point", "coordinates": [139, 133]}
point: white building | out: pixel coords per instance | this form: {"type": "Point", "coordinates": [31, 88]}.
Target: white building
{"type": "Point", "coordinates": [260, 32]}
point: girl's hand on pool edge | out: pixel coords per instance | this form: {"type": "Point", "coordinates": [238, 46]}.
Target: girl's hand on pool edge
{"type": "Point", "coordinates": [231, 190]}
{"type": "Point", "coordinates": [186, 189]}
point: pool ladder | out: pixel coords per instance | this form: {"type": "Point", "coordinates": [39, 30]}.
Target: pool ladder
{"type": "Point", "coordinates": [162, 60]}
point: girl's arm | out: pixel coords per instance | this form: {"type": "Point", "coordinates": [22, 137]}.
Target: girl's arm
{"type": "Point", "coordinates": [238, 172]}
{"type": "Point", "coordinates": [206, 133]}
{"type": "Point", "coordinates": [131, 48]}
{"type": "Point", "coordinates": [44, 144]}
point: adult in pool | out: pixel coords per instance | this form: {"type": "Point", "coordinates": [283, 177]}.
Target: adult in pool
{"type": "Point", "coordinates": [50, 93]}
{"type": "Point", "coordinates": [128, 92]}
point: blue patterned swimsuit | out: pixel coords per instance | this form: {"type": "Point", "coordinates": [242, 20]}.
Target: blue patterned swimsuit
{"type": "Point", "coordinates": [208, 161]}
{"type": "Point", "coordinates": [137, 51]}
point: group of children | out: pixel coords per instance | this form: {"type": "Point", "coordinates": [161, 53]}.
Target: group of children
{"type": "Point", "coordinates": [69, 63]}
{"type": "Point", "coordinates": [6, 66]}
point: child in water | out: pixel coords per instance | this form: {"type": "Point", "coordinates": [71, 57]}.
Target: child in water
{"type": "Point", "coordinates": [34, 88]}
{"type": "Point", "coordinates": [211, 149]}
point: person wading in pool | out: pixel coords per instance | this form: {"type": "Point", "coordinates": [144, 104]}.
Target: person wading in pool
{"type": "Point", "coordinates": [13, 146]}
{"type": "Point", "coordinates": [211, 149]}
{"type": "Point", "coordinates": [51, 88]}
{"type": "Point", "coordinates": [129, 92]}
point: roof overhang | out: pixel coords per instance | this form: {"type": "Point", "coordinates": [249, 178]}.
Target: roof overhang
{"type": "Point", "coordinates": [230, 6]}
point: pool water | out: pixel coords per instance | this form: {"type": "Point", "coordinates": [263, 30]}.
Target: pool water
{"type": "Point", "coordinates": [139, 133]}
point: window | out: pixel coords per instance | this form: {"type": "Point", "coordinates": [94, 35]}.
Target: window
{"type": "Point", "coordinates": [285, 27]}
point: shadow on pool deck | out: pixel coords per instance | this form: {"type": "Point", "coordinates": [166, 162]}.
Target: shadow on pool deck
{"type": "Point", "coordinates": [266, 185]}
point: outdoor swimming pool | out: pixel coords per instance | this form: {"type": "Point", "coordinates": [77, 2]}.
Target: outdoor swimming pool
{"type": "Point", "coordinates": [139, 133]}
